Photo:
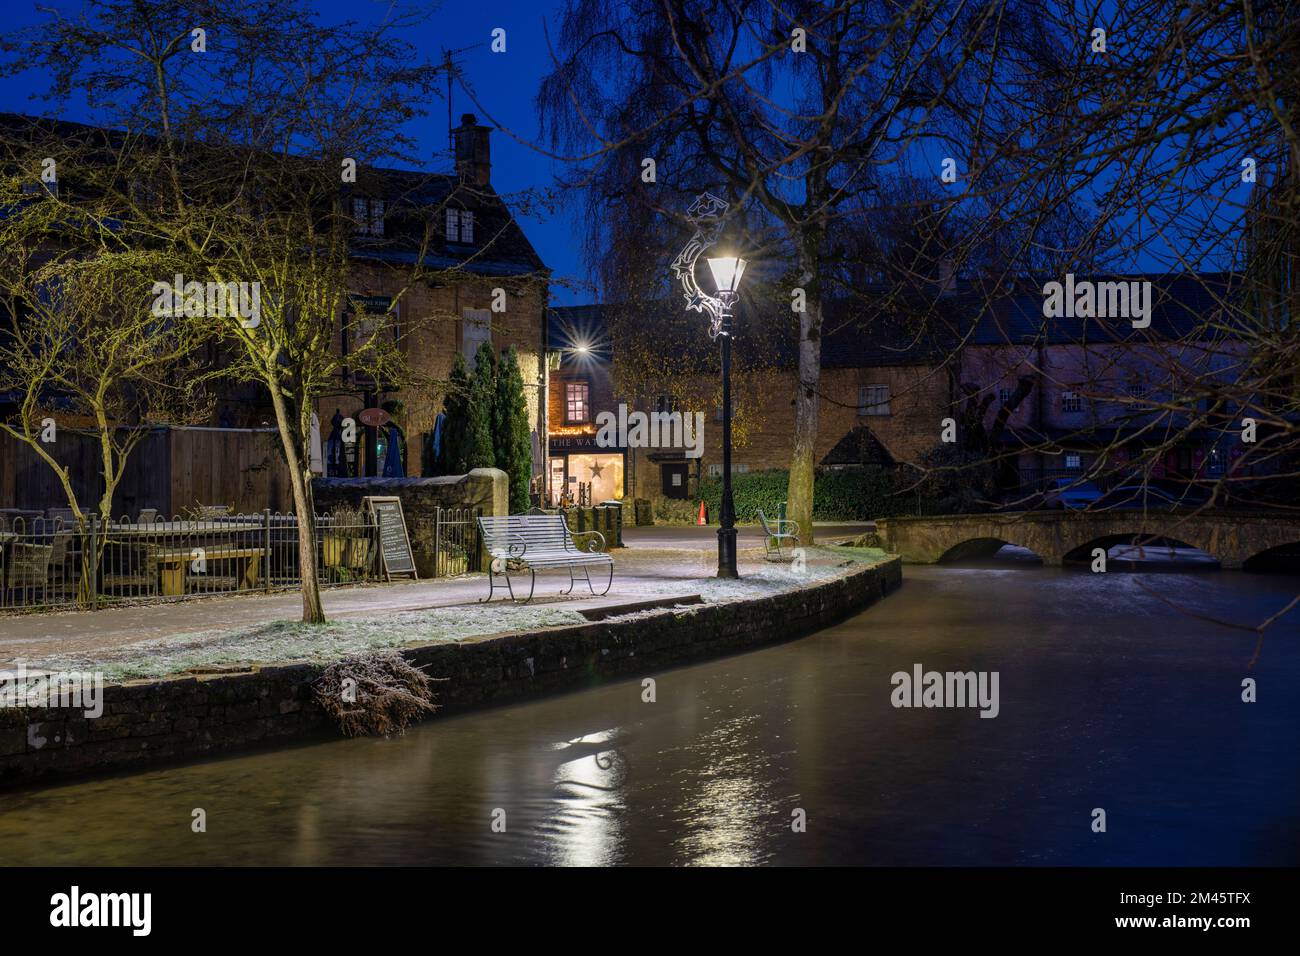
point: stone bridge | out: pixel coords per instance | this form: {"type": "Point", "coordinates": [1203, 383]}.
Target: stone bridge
{"type": "Point", "coordinates": [1233, 537]}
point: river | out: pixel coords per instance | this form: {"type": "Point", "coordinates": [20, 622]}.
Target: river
{"type": "Point", "coordinates": [1108, 698]}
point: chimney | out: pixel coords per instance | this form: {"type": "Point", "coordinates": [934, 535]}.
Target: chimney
{"type": "Point", "coordinates": [473, 154]}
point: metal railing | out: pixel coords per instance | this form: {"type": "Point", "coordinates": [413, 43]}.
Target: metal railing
{"type": "Point", "coordinates": [457, 542]}
{"type": "Point", "coordinates": [49, 563]}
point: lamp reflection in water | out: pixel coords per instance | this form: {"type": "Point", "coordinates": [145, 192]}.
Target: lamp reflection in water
{"type": "Point", "coordinates": [586, 826]}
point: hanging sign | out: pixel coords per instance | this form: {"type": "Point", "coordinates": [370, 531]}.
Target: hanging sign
{"type": "Point", "coordinates": [373, 417]}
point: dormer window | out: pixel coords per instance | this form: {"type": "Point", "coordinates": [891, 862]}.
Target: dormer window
{"type": "Point", "coordinates": [368, 216]}
{"type": "Point", "coordinates": [460, 226]}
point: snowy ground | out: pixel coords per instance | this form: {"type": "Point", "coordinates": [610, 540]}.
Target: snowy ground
{"type": "Point", "coordinates": [282, 641]}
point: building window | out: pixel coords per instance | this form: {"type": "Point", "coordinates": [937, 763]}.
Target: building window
{"type": "Point", "coordinates": [368, 216]}
{"type": "Point", "coordinates": [1137, 391]}
{"type": "Point", "coordinates": [1004, 396]}
{"type": "Point", "coordinates": [576, 409]}
{"type": "Point", "coordinates": [1073, 461]}
{"type": "Point", "coordinates": [460, 226]}
{"type": "Point", "coordinates": [1071, 402]}
{"type": "Point", "coordinates": [737, 468]}
{"type": "Point", "coordinates": [477, 330]}
{"type": "Point", "coordinates": [873, 400]}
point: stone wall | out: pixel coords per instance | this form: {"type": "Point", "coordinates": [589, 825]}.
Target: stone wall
{"type": "Point", "coordinates": [764, 421]}
{"type": "Point", "coordinates": [148, 722]}
{"type": "Point", "coordinates": [485, 488]}
{"type": "Point", "coordinates": [433, 331]}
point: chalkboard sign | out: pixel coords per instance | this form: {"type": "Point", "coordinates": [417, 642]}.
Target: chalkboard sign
{"type": "Point", "coordinates": [394, 543]}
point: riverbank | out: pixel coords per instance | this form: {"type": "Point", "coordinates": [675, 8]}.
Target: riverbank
{"type": "Point", "coordinates": [251, 685]}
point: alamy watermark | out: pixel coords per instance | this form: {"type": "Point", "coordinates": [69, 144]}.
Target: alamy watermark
{"type": "Point", "coordinates": [922, 688]}
{"type": "Point", "coordinates": [651, 430]}
{"type": "Point", "coordinates": [43, 689]}
{"type": "Point", "coordinates": [1098, 300]}
{"type": "Point", "coordinates": [75, 908]}
{"type": "Point", "coordinates": [214, 300]}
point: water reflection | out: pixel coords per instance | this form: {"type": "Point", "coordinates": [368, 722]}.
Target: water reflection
{"type": "Point", "coordinates": [1110, 697]}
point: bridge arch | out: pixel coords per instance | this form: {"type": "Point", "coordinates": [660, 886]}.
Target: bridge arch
{"type": "Point", "coordinates": [1281, 557]}
{"type": "Point", "coordinates": [972, 549]}
{"type": "Point", "coordinates": [1150, 540]}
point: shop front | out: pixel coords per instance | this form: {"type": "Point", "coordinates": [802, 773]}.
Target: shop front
{"type": "Point", "coordinates": [582, 472]}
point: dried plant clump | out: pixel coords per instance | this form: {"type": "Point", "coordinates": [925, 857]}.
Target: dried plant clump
{"type": "Point", "coordinates": [377, 694]}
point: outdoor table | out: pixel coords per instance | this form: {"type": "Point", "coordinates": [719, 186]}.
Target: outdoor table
{"type": "Point", "coordinates": [204, 533]}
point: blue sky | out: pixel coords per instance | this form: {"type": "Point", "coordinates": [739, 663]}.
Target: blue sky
{"type": "Point", "coordinates": [505, 84]}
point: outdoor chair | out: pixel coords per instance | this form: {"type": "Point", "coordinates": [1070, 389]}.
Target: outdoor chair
{"type": "Point", "coordinates": [778, 536]}
{"type": "Point", "coordinates": [130, 567]}
{"type": "Point", "coordinates": [66, 515]}
{"type": "Point", "coordinates": [28, 569]}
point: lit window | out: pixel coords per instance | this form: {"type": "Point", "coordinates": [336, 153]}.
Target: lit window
{"type": "Point", "coordinates": [1071, 402]}
{"type": "Point", "coordinates": [1072, 461]}
{"type": "Point", "coordinates": [460, 226]}
{"type": "Point", "coordinates": [873, 400]}
{"type": "Point", "coordinates": [575, 399]}
{"type": "Point", "coordinates": [1004, 396]}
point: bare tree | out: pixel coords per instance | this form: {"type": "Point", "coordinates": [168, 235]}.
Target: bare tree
{"type": "Point", "coordinates": [794, 109]}
{"type": "Point", "coordinates": [243, 128]}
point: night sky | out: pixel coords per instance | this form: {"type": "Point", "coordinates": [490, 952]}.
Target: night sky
{"type": "Point", "coordinates": [504, 83]}
{"type": "Point", "coordinates": [505, 86]}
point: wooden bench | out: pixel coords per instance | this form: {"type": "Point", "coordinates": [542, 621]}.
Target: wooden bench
{"type": "Point", "coordinates": [776, 534]}
{"type": "Point", "coordinates": [172, 563]}
{"type": "Point", "coordinates": [538, 542]}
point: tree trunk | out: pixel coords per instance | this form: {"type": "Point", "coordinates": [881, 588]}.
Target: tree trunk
{"type": "Point", "coordinates": [803, 460]}
{"type": "Point", "coordinates": [292, 438]}
{"type": "Point", "coordinates": [305, 503]}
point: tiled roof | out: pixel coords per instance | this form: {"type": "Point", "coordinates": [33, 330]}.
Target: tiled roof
{"type": "Point", "coordinates": [1181, 307]}
{"type": "Point", "coordinates": [500, 246]}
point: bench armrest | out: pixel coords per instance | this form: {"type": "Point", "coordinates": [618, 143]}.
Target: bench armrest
{"type": "Point", "coordinates": [787, 526]}
{"type": "Point", "coordinates": [573, 536]}
{"type": "Point", "coordinates": [516, 548]}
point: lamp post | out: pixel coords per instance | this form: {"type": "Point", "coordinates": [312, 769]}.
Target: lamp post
{"type": "Point", "coordinates": [706, 215]}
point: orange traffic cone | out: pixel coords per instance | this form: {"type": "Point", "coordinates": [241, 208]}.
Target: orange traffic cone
{"type": "Point", "coordinates": [704, 515]}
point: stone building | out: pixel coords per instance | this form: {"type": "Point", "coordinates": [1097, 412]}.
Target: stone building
{"type": "Point", "coordinates": [885, 388]}
{"type": "Point", "coordinates": [490, 286]}
{"type": "Point", "coordinates": [1098, 391]}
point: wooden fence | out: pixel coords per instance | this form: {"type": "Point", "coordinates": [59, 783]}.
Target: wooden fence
{"type": "Point", "coordinates": [171, 470]}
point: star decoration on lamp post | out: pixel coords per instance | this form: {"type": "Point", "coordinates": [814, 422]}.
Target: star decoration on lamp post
{"type": "Point", "coordinates": [706, 215]}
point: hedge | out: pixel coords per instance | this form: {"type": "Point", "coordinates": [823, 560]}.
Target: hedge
{"type": "Point", "coordinates": [837, 495]}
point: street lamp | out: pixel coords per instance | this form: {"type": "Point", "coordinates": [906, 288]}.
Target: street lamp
{"type": "Point", "coordinates": [706, 215]}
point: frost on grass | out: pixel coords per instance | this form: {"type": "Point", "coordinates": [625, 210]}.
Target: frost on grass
{"type": "Point", "coordinates": [282, 641]}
